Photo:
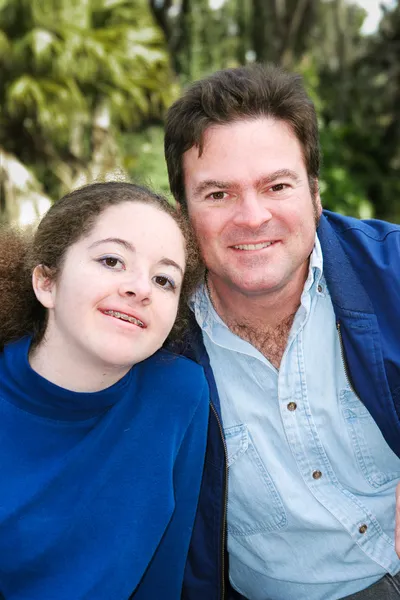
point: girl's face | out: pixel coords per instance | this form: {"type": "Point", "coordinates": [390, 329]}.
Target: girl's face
{"type": "Point", "coordinates": [116, 298]}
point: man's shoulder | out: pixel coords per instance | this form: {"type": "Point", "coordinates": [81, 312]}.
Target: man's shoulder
{"type": "Point", "coordinates": [370, 239]}
{"type": "Point", "coordinates": [177, 380]}
{"type": "Point", "coordinates": [373, 229]}
{"type": "Point", "coordinates": [360, 259]}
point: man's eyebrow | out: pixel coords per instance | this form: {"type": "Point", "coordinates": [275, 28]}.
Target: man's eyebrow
{"type": "Point", "coordinates": [285, 173]}
{"type": "Point", "coordinates": [127, 245]}
{"type": "Point", "coordinates": [205, 185]}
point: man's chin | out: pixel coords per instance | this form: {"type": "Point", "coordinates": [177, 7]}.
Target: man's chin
{"type": "Point", "coordinates": [255, 286]}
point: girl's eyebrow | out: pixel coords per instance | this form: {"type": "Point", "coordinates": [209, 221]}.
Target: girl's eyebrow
{"type": "Point", "coordinates": [164, 261]}
{"type": "Point", "coordinates": [168, 262]}
{"type": "Point", "coordinates": [127, 245]}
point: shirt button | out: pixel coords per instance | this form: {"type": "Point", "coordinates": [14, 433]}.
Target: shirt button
{"type": "Point", "coordinates": [317, 475]}
{"type": "Point", "coordinates": [363, 528]}
{"type": "Point", "coordinates": [292, 406]}
{"type": "Point", "coordinates": [320, 289]}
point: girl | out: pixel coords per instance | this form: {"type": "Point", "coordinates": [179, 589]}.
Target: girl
{"type": "Point", "coordinates": [102, 434]}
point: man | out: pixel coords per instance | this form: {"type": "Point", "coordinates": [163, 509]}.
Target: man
{"type": "Point", "coordinates": [298, 331]}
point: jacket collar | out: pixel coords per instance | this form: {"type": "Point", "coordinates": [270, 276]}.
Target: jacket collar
{"type": "Point", "coordinates": [339, 273]}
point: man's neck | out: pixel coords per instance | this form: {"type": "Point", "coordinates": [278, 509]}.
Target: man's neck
{"type": "Point", "coordinates": [267, 309]}
{"type": "Point", "coordinates": [264, 320]}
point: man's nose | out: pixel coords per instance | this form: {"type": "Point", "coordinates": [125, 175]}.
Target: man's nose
{"type": "Point", "coordinates": [138, 286]}
{"type": "Point", "coordinates": [252, 211]}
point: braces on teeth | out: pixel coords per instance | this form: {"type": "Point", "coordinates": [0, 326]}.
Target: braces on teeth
{"type": "Point", "coordinates": [124, 317]}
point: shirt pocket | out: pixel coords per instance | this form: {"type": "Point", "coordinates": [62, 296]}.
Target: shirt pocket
{"type": "Point", "coordinates": [378, 464]}
{"type": "Point", "coordinates": [254, 504]}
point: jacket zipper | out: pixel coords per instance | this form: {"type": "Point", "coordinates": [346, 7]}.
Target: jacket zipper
{"type": "Point", "coordinates": [223, 532]}
{"type": "Point", "coordinates": [346, 369]}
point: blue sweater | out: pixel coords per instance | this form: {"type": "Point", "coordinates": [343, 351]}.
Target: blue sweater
{"type": "Point", "coordinates": [99, 490]}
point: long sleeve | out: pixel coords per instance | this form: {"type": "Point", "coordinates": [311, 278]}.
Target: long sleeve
{"type": "Point", "coordinates": [163, 578]}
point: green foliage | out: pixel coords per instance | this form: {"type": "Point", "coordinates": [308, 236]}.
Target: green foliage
{"type": "Point", "coordinates": [71, 69]}
{"type": "Point", "coordinates": [85, 85]}
{"type": "Point", "coordinates": [341, 189]}
{"type": "Point", "coordinates": [144, 162]}
{"type": "Point", "coordinates": [354, 81]}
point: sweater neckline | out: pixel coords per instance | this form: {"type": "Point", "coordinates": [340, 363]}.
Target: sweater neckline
{"type": "Point", "coordinates": [34, 394]}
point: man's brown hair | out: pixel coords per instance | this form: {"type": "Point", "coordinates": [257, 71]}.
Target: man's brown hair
{"type": "Point", "coordinates": [233, 95]}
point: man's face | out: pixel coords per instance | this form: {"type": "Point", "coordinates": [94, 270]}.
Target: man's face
{"type": "Point", "coordinates": [250, 204]}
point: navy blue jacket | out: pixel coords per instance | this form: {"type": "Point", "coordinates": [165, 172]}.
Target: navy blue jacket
{"type": "Point", "coordinates": [362, 271]}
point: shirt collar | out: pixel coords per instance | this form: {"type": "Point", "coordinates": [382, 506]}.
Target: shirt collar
{"type": "Point", "coordinates": [315, 270]}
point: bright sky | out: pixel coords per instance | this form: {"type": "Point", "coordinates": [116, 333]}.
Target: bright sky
{"type": "Point", "coordinates": [371, 6]}
{"type": "Point", "coordinates": [374, 13]}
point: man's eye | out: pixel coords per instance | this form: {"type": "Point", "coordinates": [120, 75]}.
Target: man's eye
{"type": "Point", "coordinates": [279, 187]}
{"type": "Point", "coordinates": [217, 195]}
{"type": "Point", "coordinates": [164, 282]}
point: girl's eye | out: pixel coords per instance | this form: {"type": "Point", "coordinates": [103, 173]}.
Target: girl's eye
{"type": "Point", "coordinates": [164, 282]}
{"type": "Point", "coordinates": [111, 262]}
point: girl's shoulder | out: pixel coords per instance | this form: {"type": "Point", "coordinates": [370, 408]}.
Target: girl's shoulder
{"type": "Point", "coordinates": [176, 379]}
{"type": "Point", "coordinates": [165, 361]}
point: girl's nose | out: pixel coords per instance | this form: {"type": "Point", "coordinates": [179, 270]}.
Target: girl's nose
{"type": "Point", "coordinates": [138, 287]}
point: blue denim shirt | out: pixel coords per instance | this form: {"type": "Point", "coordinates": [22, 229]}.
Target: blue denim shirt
{"type": "Point", "coordinates": [311, 479]}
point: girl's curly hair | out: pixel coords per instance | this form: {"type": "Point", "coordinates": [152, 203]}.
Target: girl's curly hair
{"type": "Point", "coordinates": [67, 221]}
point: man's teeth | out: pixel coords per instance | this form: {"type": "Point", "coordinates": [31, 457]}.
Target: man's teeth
{"type": "Point", "coordinates": [253, 246]}
{"type": "Point", "coordinates": [124, 317]}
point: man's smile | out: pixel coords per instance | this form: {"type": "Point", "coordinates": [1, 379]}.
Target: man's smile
{"type": "Point", "coordinates": [257, 246]}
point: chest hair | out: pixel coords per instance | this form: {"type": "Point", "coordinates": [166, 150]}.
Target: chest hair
{"type": "Point", "coordinates": [270, 341]}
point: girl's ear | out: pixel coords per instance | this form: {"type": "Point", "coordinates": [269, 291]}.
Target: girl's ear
{"type": "Point", "coordinates": [44, 286]}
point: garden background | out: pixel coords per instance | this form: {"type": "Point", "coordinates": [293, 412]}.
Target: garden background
{"type": "Point", "coordinates": [84, 86]}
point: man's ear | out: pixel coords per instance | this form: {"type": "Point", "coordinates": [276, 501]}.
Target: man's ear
{"type": "Point", "coordinates": [318, 204]}
{"type": "Point", "coordinates": [43, 285]}
{"type": "Point", "coordinates": [317, 199]}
